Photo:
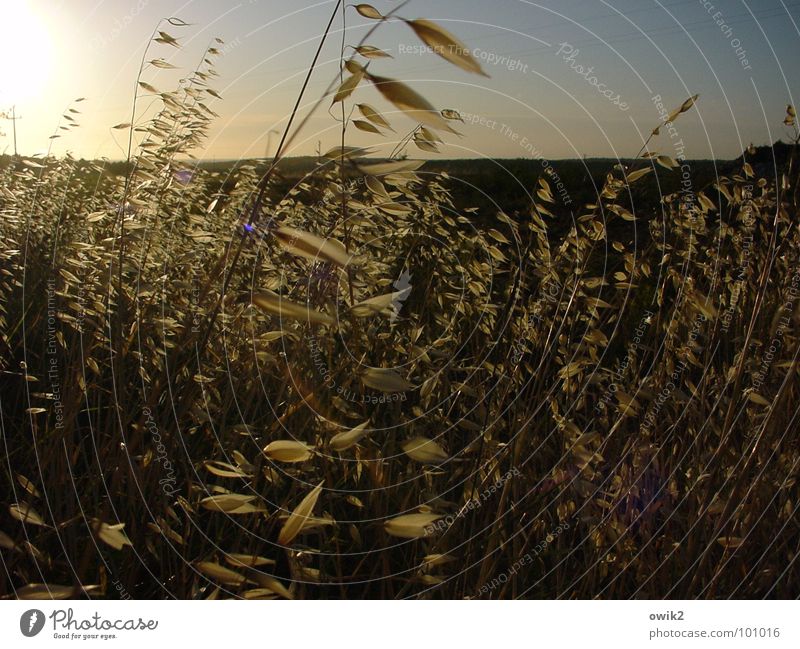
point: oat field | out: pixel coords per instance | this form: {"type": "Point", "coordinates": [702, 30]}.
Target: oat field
{"type": "Point", "coordinates": [215, 387]}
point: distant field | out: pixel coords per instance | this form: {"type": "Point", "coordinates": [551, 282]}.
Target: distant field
{"type": "Point", "coordinates": [472, 391]}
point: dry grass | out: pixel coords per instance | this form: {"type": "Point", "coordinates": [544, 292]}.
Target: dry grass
{"type": "Point", "coordinates": [273, 414]}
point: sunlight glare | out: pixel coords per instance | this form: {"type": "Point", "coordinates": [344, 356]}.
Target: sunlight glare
{"type": "Point", "coordinates": [27, 50]}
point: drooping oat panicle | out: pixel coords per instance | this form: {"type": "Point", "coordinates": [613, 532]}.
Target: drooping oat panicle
{"type": "Point", "coordinates": [310, 246]}
{"type": "Point", "coordinates": [298, 518]}
{"type": "Point", "coordinates": [424, 450]}
{"type": "Point", "coordinates": [276, 304]}
{"type": "Point", "coordinates": [349, 438]}
{"type": "Point", "coordinates": [287, 450]}
{"type": "Point", "coordinates": [443, 43]}
{"type": "Point", "coordinates": [411, 526]}
{"type": "Point", "coordinates": [410, 102]}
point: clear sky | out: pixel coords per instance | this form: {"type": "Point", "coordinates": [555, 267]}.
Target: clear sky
{"type": "Point", "coordinates": [741, 56]}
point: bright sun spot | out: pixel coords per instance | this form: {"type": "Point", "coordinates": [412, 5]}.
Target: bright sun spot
{"type": "Point", "coordinates": [27, 50]}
